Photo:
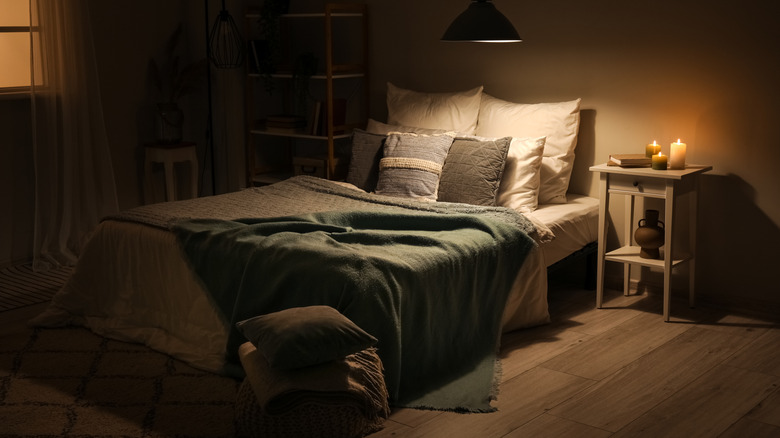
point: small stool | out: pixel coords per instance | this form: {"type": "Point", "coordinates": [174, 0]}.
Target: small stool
{"type": "Point", "coordinates": [169, 154]}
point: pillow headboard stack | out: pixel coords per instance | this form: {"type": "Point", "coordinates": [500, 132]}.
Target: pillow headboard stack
{"type": "Point", "coordinates": [468, 147]}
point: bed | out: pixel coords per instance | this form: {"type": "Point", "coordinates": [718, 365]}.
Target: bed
{"type": "Point", "coordinates": [155, 274]}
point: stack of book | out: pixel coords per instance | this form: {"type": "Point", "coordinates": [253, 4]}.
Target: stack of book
{"type": "Point", "coordinates": [285, 123]}
{"type": "Point", "coordinates": [629, 160]}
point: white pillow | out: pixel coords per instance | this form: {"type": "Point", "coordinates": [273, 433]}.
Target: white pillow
{"type": "Point", "coordinates": [519, 188]}
{"type": "Point", "coordinates": [559, 122]}
{"type": "Point", "coordinates": [456, 111]}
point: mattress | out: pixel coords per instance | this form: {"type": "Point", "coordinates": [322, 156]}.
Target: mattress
{"type": "Point", "coordinates": [574, 225]}
{"type": "Point", "coordinates": [133, 283]}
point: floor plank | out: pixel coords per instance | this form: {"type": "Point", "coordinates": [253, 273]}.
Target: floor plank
{"type": "Point", "coordinates": [707, 407]}
{"type": "Point", "coordinates": [610, 351]}
{"type": "Point", "coordinates": [752, 429]}
{"type": "Point", "coordinates": [761, 355]}
{"type": "Point", "coordinates": [768, 411]}
{"type": "Point", "coordinates": [551, 426]}
{"type": "Point", "coordinates": [639, 386]}
{"type": "Point", "coordinates": [525, 349]}
{"type": "Point", "coordinates": [524, 398]}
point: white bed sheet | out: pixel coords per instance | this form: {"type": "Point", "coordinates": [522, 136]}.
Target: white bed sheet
{"type": "Point", "coordinates": [574, 224]}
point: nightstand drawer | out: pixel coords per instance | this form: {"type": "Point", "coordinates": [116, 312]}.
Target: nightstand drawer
{"type": "Point", "coordinates": [637, 185]}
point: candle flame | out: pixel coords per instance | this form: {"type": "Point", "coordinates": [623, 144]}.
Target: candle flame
{"type": "Point", "coordinates": [678, 141]}
{"type": "Point", "coordinates": [654, 144]}
{"type": "Point", "coordinates": [660, 154]}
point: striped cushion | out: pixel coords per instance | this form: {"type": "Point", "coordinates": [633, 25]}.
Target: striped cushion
{"type": "Point", "coordinates": [412, 165]}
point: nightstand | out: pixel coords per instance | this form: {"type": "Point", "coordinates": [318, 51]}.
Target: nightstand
{"type": "Point", "coordinates": [667, 185]}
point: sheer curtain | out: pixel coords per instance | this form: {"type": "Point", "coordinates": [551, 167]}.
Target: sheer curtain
{"type": "Point", "coordinates": [74, 178]}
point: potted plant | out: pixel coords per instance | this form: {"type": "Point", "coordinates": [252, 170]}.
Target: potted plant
{"type": "Point", "coordinates": [267, 47]}
{"type": "Point", "coordinates": [173, 81]}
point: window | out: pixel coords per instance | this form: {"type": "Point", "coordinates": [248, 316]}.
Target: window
{"type": "Point", "coordinates": [15, 45]}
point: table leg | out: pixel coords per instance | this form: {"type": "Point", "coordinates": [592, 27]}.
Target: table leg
{"type": "Point", "coordinates": [668, 243]}
{"type": "Point", "coordinates": [629, 218]}
{"type": "Point", "coordinates": [170, 188]}
{"type": "Point", "coordinates": [602, 243]}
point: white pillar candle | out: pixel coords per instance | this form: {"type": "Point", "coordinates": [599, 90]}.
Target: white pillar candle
{"type": "Point", "coordinates": [677, 155]}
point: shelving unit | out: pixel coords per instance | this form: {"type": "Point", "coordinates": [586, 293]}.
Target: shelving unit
{"type": "Point", "coordinates": [667, 185]}
{"type": "Point", "coordinates": [341, 64]}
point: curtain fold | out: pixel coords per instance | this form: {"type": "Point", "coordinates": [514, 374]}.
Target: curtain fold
{"type": "Point", "coordinates": [74, 178]}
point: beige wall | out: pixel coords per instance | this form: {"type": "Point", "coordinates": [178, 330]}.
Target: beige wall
{"type": "Point", "coordinates": [704, 72]}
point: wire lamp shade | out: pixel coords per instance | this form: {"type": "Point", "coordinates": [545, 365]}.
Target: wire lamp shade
{"type": "Point", "coordinates": [483, 23]}
{"type": "Point", "coordinates": [226, 46]}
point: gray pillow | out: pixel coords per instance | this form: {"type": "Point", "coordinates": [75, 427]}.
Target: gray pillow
{"type": "Point", "coordinates": [472, 171]}
{"type": "Point", "coordinates": [302, 336]}
{"type": "Point", "coordinates": [412, 165]}
{"type": "Point", "coordinates": [363, 170]}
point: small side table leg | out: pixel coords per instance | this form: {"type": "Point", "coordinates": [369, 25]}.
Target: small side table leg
{"type": "Point", "coordinates": [147, 181]}
{"type": "Point", "coordinates": [629, 218]}
{"type": "Point", "coordinates": [668, 244]}
{"type": "Point", "coordinates": [602, 243]}
{"type": "Point", "coordinates": [194, 176]}
{"type": "Point", "coordinates": [170, 189]}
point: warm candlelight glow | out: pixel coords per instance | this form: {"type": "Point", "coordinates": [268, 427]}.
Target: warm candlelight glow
{"type": "Point", "coordinates": [659, 161]}
{"type": "Point", "coordinates": [652, 149]}
{"type": "Point", "coordinates": [677, 155]}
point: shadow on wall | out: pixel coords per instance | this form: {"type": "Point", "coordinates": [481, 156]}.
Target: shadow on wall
{"type": "Point", "coordinates": [585, 155]}
{"type": "Point", "coordinates": [737, 248]}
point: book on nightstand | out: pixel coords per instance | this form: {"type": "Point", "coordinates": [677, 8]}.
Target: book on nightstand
{"type": "Point", "coordinates": [629, 160]}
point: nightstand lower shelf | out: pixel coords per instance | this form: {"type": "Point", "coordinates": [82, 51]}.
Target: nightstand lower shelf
{"type": "Point", "coordinates": [630, 254]}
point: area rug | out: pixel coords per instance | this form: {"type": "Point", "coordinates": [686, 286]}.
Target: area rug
{"type": "Point", "coordinates": [21, 286]}
{"type": "Point", "coordinates": [70, 382]}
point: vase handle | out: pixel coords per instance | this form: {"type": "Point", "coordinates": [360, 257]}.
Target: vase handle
{"type": "Point", "coordinates": [640, 222]}
{"type": "Point", "coordinates": [660, 224]}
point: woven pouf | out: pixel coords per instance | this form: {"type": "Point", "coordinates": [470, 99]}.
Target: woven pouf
{"type": "Point", "coordinates": [306, 420]}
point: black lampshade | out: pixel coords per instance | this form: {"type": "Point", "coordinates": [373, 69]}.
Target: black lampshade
{"type": "Point", "coordinates": [481, 22]}
{"type": "Point", "coordinates": [226, 46]}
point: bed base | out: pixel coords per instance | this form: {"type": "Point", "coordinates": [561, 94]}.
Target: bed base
{"type": "Point", "coordinates": [588, 253]}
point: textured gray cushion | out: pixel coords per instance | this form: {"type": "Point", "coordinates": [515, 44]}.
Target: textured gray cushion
{"type": "Point", "coordinates": [412, 165]}
{"type": "Point", "coordinates": [366, 152]}
{"type": "Point", "coordinates": [472, 171]}
{"type": "Point", "coordinates": [304, 336]}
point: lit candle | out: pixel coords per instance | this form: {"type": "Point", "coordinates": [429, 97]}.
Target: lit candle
{"type": "Point", "coordinates": [652, 149]}
{"type": "Point", "coordinates": [659, 161]}
{"type": "Point", "coordinates": [677, 155]}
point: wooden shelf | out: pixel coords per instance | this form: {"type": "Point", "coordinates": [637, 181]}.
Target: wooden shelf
{"type": "Point", "coordinates": [630, 254]}
{"type": "Point", "coordinates": [353, 75]}
{"type": "Point", "coordinates": [352, 65]}
{"type": "Point", "coordinates": [302, 134]}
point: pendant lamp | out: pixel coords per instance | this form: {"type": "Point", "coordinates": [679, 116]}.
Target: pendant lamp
{"type": "Point", "coordinates": [481, 23]}
{"type": "Point", "coordinates": [226, 46]}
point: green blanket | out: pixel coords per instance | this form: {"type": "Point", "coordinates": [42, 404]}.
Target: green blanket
{"type": "Point", "coordinates": [430, 287]}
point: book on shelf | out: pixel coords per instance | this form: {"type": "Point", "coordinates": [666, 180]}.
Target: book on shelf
{"type": "Point", "coordinates": [255, 57]}
{"type": "Point", "coordinates": [629, 160]}
{"type": "Point", "coordinates": [285, 121]}
{"type": "Point", "coordinates": [319, 119]}
{"type": "Point", "coordinates": [315, 118]}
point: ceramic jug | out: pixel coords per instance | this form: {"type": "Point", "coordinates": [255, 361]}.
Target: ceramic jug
{"type": "Point", "coordinates": [650, 235]}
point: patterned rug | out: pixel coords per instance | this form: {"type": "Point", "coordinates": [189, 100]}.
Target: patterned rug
{"type": "Point", "coordinates": [72, 383]}
{"type": "Point", "coordinates": [20, 286]}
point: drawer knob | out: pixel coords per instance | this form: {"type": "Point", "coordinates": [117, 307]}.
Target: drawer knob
{"type": "Point", "coordinates": [636, 183]}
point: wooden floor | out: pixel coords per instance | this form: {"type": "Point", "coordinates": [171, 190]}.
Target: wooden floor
{"type": "Point", "coordinates": [616, 372]}
{"type": "Point", "coordinates": [622, 372]}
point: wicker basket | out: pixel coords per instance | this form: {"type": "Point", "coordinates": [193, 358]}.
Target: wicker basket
{"type": "Point", "coordinates": [306, 420]}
